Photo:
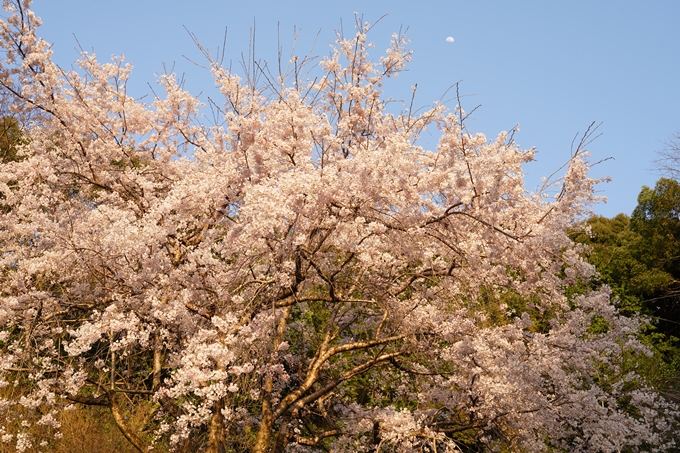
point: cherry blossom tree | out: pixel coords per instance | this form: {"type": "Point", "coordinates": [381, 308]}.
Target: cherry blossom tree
{"type": "Point", "coordinates": [302, 275]}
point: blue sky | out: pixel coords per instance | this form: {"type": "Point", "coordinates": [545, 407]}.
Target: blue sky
{"type": "Point", "coordinates": [552, 67]}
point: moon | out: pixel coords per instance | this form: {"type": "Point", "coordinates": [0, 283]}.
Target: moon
{"type": "Point", "coordinates": [449, 39]}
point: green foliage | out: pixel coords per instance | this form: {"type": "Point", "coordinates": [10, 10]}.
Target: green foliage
{"type": "Point", "coordinates": [662, 368]}
{"type": "Point", "coordinates": [657, 220]}
{"type": "Point", "coordinates": [598, 325]}
{"type": "Point", "coordinates": [633, 259]}
{"type": "Point", "coordinates": [11, 137]}
{"type": "Point", "coordinates": [639, 258]}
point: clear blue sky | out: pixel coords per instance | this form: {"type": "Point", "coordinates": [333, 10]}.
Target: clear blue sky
{"type": "Point", "coordinates": [551, 66]}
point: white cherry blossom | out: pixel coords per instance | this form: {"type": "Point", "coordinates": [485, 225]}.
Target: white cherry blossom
{"type": "Point", "coordinates": [304, 274]}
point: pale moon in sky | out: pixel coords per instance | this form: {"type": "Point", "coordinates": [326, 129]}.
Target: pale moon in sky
{"type": "Point", "coordinates": [449, 39]}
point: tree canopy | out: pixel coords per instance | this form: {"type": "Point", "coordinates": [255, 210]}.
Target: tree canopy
{"type": "Point", "coordinates": [638, 258]}
{"type": "Point", "coordinates": [302, 275]}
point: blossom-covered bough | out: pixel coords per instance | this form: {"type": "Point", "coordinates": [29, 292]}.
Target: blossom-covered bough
{"type": "Point", "coordinates": [303, 275]}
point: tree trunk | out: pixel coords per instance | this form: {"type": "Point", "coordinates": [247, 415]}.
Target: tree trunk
{"type": "Point", "coordinates": [264, 434]}
{"type": "Point", "coordinates": [119, 418]}
{"type": "Point", "coordinates": [216, 434]}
